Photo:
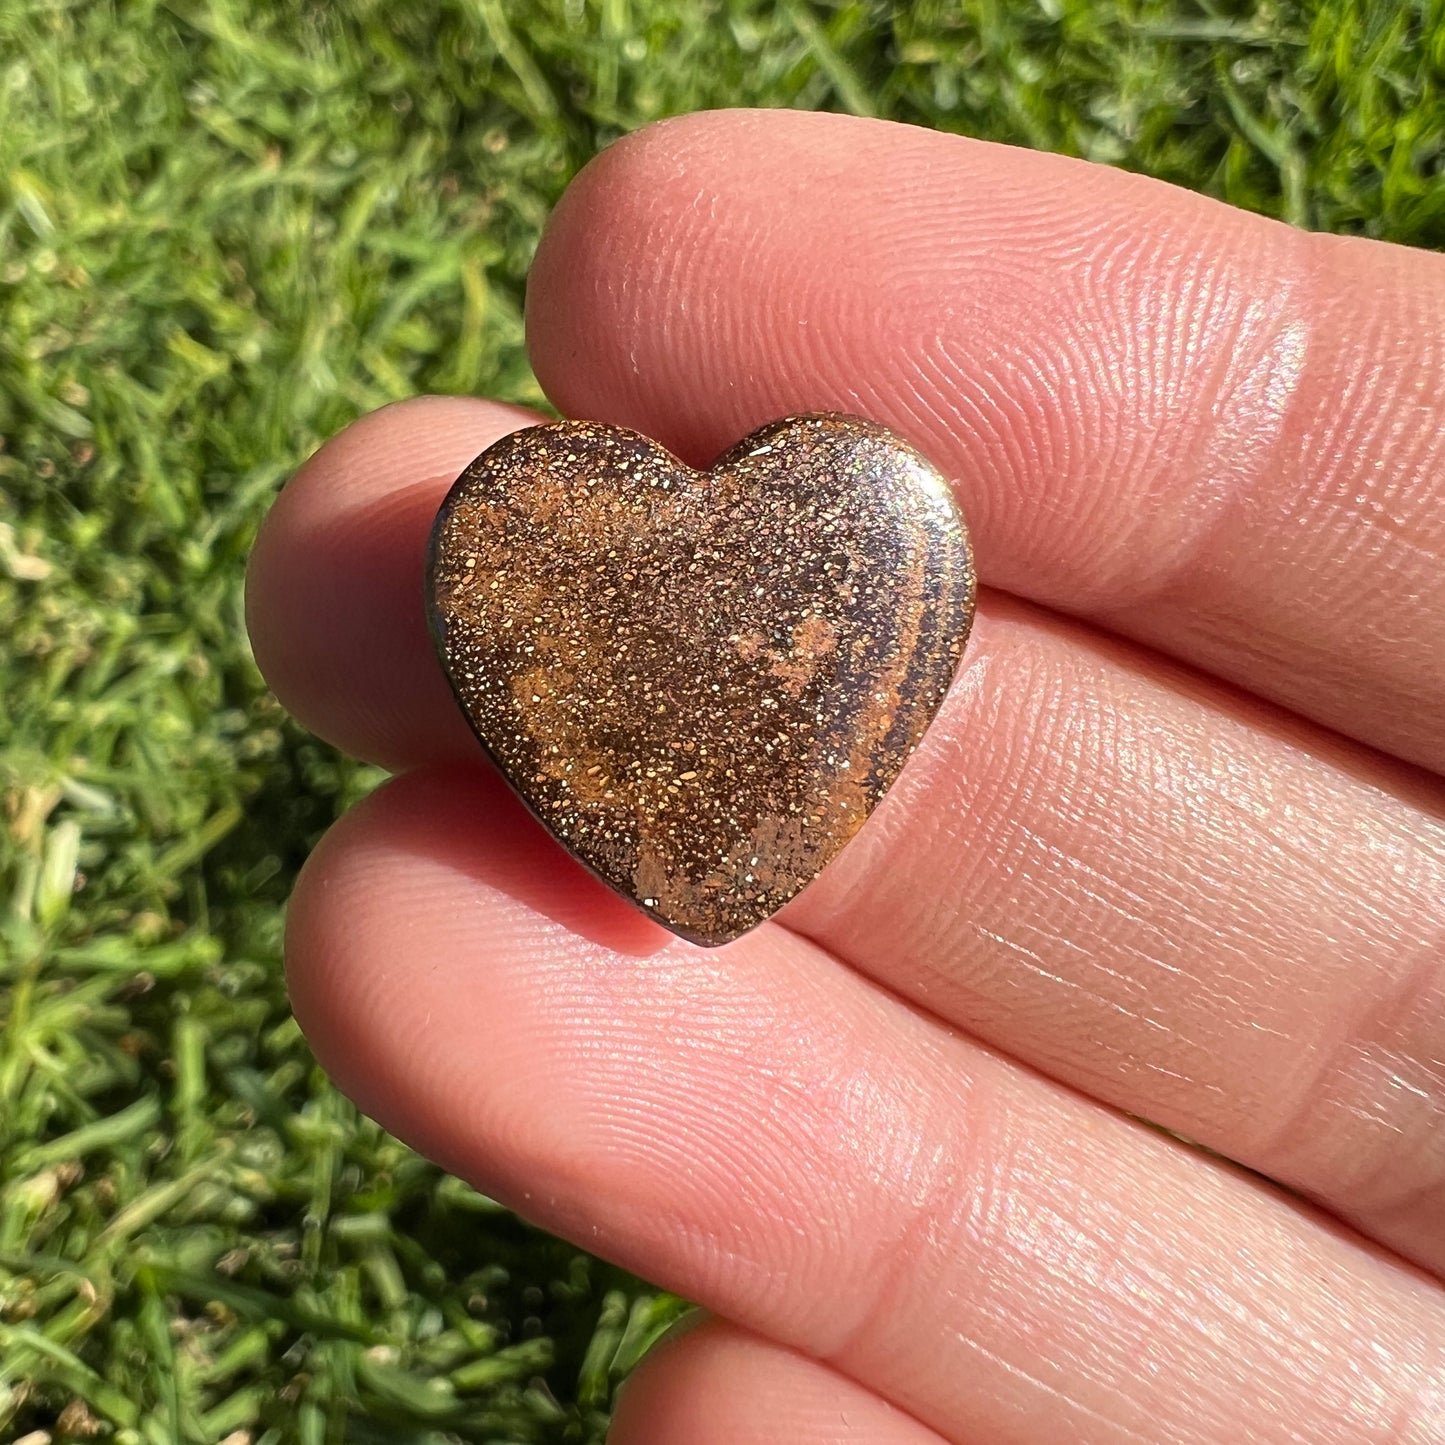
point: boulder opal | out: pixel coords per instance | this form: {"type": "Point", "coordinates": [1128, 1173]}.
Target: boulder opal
{"type": "Point", "coordinates": [701, 682]}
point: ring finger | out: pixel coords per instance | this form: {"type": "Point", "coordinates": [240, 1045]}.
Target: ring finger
{"type": "Point", "coordinates": [779, 1139]}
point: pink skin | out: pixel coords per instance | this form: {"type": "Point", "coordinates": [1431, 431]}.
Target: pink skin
{"type": "Point", "coordinates": [1173, 897]}
{"type": "Point", "coordinates": [717, 1385]}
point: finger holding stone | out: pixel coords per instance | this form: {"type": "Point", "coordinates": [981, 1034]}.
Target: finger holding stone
{"type": "Point", "coordinates": [1198, 426]}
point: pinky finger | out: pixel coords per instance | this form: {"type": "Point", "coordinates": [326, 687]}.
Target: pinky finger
{"type": "Point", "coordinates": [716, 1384]}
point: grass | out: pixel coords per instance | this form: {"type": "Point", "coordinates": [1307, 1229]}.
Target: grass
{"type": "Point", "coordinates": [226, 229]}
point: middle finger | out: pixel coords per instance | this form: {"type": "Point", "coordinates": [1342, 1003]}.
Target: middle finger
{"type": "Point", "coordinates": [1191, 905]}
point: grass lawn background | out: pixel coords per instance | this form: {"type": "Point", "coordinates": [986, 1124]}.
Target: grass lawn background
{"type": "Point", "coordinates": [227, 229]}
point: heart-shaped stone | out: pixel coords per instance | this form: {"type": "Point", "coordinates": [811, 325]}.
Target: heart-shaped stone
{"type": "Point", "coordinates": [701, 682]}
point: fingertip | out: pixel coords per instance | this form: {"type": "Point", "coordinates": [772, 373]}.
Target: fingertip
{"type": "Point", "coordinates": [420, 846]}
{"type": "Point", "coordinates": [334, 589]}
{"type": "Point", "coordinates": [639, 255]}
{"type": "Point", "coordinates": [416, 935]}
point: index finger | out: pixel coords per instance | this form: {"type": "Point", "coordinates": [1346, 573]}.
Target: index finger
{"type": "Point", "coordinates": [1202, 428]}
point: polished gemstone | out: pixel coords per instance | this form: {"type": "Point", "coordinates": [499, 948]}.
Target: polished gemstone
{"type": "Point", "coordinates": [702, 682]}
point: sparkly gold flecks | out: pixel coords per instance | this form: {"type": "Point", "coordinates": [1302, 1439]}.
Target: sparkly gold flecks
{"type": "Point", "coordinates": [701, 682]}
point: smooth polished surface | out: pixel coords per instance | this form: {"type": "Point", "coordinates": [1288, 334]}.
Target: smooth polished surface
{"type": "Point", "coordinates": [701, 682]}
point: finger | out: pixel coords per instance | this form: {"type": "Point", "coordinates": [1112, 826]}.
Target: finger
{"type": "Point", "coordinates": [772, 1136]}
{"type": "Point", "coordinates": [1199, 426]}
{"type": "Point", "coordinates": [718, 1385]}
{"type": "Point", "coordinates": [334, 587]}
{"type": "Point", "coordinates": [1197, 910]}
{"type": "Point", "coordinates": [1148, 887]}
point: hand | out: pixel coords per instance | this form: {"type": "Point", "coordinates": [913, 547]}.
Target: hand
{"type": "Point", "coordinates": [1174, 848]}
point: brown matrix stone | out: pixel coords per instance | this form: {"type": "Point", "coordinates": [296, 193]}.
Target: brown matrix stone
{"type": "Point", "coordinates": [701, 682]}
